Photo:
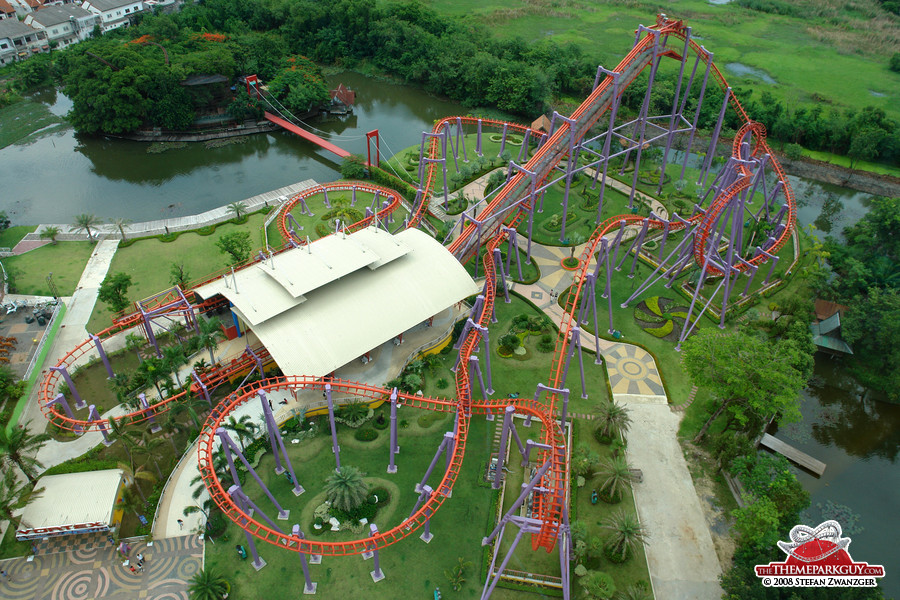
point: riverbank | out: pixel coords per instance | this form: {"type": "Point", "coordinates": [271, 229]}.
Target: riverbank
{"type": "Point", "coordinates": [855, 179]}
{"type": "Point", "coordinates": [246, 128]}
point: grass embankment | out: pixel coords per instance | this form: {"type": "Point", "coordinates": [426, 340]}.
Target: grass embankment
{"type": "Point", "coordinates": [196, 249]}
{"type": "Point", "coordinates": [23, 119]}
{"type": "Point", "coordinates": [11, 236]}
{"type": "Point", "coordinates": [66, 260]}
{"type": "Point", "coordinates": [855, 43]}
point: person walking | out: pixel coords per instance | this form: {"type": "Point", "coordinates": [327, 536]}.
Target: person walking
{"type": "Point", "coordinates": [5, 575]}
{"type": "Point", "coordinates": [180, 524]}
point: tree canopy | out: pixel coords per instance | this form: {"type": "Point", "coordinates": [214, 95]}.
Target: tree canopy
{"type": "Point", "coordinates": [749, 376]}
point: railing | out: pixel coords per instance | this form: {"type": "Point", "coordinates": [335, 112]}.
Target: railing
{"type": "Point", "coordinates": [44, 340]}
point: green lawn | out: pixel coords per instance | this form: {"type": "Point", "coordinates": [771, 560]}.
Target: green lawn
{"type": "Point", "coordinates": [861, 165]}
{"type": "Point", "coordinates": [11, 236]}
{"type": "Point", "coordinates": [852, 49]}
{"type": "Point", "coordinates": [22, 119]}
{"type": "Point", "coordinates": [199, 254]}
{"type": "Point", "coordinates": [66, 260]}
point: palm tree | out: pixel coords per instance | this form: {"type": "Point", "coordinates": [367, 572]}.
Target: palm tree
{"type": "Point", "coordinates": [354, 411]}
{"type": "Point", "coordinates": [132, 475]}
{"type": "Point", "coordinates": [345, 488]}
{"type": "Point", "coordinates": [150, 445]}
{"type": "Point", "coordinates": [210, 334]}
{"type": "Point", "coordinates": [612, 419]}
{"type": "Point", "coordinates": [238, 208]}
{"type": "Point", "coordinates": [152, 371]}
{"type": "Point", "coordinates": [117, 431]}
{"type": "Point", "coordinates": [616, 476]}
{"type": "Point", "coordinates": [19, 446]}
{"type": "Point", "coordinates": [121, 224]}
{"type": "Point", "coordinates": [49, 233]}
{"type": "Point", "coordinates": [208, 584]}
{"type": "Point", "coordinates": [135, 342]}
{"type": "Point", "coordinates": [244, 428]}
{"type": "Point", "coordinates": [14, 496]}
{"type": "Point", "coordinates": [175, 359]}
{"type": "Point", "coordinates": [627, 534]}
{"type": "Point", "coordinates": [84, 222]}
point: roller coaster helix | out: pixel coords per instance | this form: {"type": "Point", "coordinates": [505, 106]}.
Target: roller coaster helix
{"type": "Point", "coordinates": [709, 243]}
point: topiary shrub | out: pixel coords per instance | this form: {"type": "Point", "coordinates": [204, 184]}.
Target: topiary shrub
{"type": "Point", "coordinates": [381, 422]}
{"type": "Point", "coordinates": [442, 383]}
{"type": "Point", "coordinates": [365, 434]}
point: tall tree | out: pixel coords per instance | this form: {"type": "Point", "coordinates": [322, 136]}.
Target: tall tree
{"type": "Point", "coordinates": [114, 291]}
{"type": "Point", "coordinates": [84, 222]}
{"type": "Point", "coordinates": [345, 488]}
{"type": "Point", "coordinates": [132, 476]}
{"type": "Point", "coordinates": [749, 376]}
{"type": "Point", "coordinates": [209, 336]}
{"type": "Point", "coordinates": [209, 584]}
{"type": "Point", "coordinates": [244, 428]}
{"type": "Point", "coordinates": [15, 496]}
{"type": "Point", "coordinates": [121, 224]}
{"type": "Point", "coordinates": [612, 419]}
{"type": "Point", "coordinates": [626, 534]}
{"type": "Point", "coordinates": [236, 245]}
{"type": "Point", "coordinates": [18, 446]}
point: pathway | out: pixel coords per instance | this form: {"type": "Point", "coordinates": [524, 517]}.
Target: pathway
{"type": "Point", "coordinates": [68, 232]}
{"type": "Point", "coordinates": [88, 566]}
{"type": "Point", "coordinates": [680, 552]}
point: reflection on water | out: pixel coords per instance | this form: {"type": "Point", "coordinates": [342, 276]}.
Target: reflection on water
{"type": "Point", "coordinates": [61, 175]}
{"type": "Point", "coordinates": [858, 437]}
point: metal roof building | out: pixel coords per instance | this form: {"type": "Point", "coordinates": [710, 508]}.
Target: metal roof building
{"type": "Point", "coordinates": [72, 503]}
{"type": "Point", "coordinates": [318, 307]}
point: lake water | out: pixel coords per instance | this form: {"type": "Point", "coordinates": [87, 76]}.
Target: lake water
{"type": "Point", "coordinates": [62, 175]}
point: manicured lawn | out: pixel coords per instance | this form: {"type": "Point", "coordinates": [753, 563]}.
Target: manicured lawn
{"type": "Point", "coordinates": [22, 119]}
{"type": "Point", "coordinates": [199, 254]}
{"type": "Point", "coordinates": [66, 260]}
{"type": "Point", "coordinates": [13, 235]}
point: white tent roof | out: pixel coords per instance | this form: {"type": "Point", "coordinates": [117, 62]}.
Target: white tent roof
{"type": "Point", "coordinates": [326, 304]}
{"type": "Point", "coordinates": [73, 498]}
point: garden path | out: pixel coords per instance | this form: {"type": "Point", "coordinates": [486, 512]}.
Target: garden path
{"type": "Point", "coordinates": [680, 553]}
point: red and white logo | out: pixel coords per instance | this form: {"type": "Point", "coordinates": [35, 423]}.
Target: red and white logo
{"type": "Point", "coordinates": [818, 558]}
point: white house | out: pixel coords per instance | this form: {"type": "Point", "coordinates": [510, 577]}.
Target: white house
{"type": "Point", "coordinates": [18, 41]}
{"type": "Point", "coordinates": [113, 13]}
{"type": "Point", "coordinates": [65, 24]}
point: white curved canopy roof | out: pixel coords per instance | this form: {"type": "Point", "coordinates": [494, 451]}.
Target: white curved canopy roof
{"type": "Point", "coordinates": [319, 307]}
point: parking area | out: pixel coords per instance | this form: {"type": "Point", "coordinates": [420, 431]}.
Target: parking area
{"type": "Point", "coordinates": [19, 339]}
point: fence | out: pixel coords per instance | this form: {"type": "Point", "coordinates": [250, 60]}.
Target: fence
{"type": "Point", "coordinates": [44, 341]}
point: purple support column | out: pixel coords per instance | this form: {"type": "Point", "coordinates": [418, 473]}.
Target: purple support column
{"type": "Point", "coordinates": [93, 415]}
{"type": "Point", "coordinates": [377, 574]}
{"type": "Point", "coordinates": [474, 369]}
{"type": "Point", "coordinates": [504, 438]}
{"type": "Point", "coordinates": [334, 445]}
{"type": "Point", "coordinates": [325, 194]}
{"type": "Point", "coordinates": [258, 563]}
{"type": "Point", "coordinates": [393, 448]}
{"type": "Point", "coordinates": [270, 430]}
{"type": "Point", "coordinates": [202, 387]}
{"type": "Point", "coordinates": [564, 551]}
{"type": "Point", "coordinates": [442, 447]}
{"type": "Point", "coordinates": [427, 535]}
{"type": "Point", "coordinates": [233, 448]}
{"type": "Point", "coordinates": [310, 586]}
{"type": "Point", "coordinates": [707, 163]}
{"type": "Point", "coordinates": [502, 272]}
{"type": "Point", "coordinates": [478, 140]}
{"type": "Point", "coordinates": [61, 399]}
{"type": "Point", "coordinates": [154, 428]}
{"type": "Point", "coordinates": [486, 340]}
{"type": "Point", "coordinates": [221, 432]}
{"type": "Point", "coordinates": [103, 357]}
{"type": "Point", "coordinates": [297, 489]}
{"type": "Point", "coordinates": [450, 439]}
{"type": "Point", "coordinates": [79, 403]}
{"type": "Point", "coordinates": [148, 326]}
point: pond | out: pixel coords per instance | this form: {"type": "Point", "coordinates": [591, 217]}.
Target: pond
{"type": "Point", "coordinates": [61, 175]}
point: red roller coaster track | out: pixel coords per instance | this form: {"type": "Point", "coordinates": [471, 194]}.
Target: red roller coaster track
{"type": "Point", "coordinates": [548, 506]}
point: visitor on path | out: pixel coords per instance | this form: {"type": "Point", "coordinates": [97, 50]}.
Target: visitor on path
{"type": "Point", "coordinates": [5, 575]}
{"type": "Point", "coordinates": [133, 570]}
{"type": "Point", "coordinates": [180, 524]}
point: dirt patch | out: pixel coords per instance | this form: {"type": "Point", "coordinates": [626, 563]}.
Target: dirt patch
{"type": "Point", "coordinates": [716, 509]}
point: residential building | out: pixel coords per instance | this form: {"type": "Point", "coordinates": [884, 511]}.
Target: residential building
{"type": "Point", "coordinates": [19, 41]}
{"type": "Point", "coordinates": [66, 24]}
{"type": "Point", "coordinates": [114, 13]}
{"type": "Point", "coordinates": [7, 11]}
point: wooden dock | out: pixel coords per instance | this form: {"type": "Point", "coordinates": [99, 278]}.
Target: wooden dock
{"type": "Point", "coordinates": [792, 454]}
